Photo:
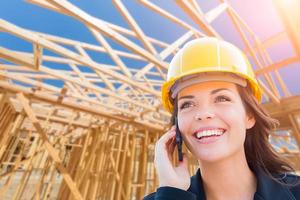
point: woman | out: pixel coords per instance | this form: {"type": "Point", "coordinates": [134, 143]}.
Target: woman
{"type": "Point", "coordinates": [213, 94]}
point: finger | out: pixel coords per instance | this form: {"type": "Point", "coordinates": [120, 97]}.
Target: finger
{"type": "Point", "coordinates": [171, 130]}
{"type": "Point", "coordinates": [171, 148]}
{"type": "Point", "coordinates": [172, 145]}
{"type": "Point", "coordinates": [166, 138]}
{"type": "Point", "coordinates": [161, 147]}
{"type": "Point", "coordinates": [182, 169]}
{"type": "Point", "coordinates": [170, 141]}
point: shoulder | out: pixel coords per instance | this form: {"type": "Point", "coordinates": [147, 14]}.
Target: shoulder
{"type": "Point", "coordinates": [150, 196]}
{"type": "Point", "coordinates": [170, 193]}
{"type": "Point", "coordinates": [277, 186]}
{"type": "Point", "coordinates": [293, 184]}
{"type": "Point", "coordinates": [290, 178]}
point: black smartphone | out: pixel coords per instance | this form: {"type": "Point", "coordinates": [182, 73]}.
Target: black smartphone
{"type": "Point", "coordinates": [178, 141]}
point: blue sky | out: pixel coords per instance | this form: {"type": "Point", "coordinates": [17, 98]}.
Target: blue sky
{"type": "Point", "coordinates": [260, 15]}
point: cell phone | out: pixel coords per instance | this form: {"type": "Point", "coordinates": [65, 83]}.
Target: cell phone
{"type": "Point", "coordinates": [178, 141]}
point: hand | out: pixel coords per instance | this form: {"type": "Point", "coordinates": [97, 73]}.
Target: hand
{"type": "Point", "coordinates": [169, 175]}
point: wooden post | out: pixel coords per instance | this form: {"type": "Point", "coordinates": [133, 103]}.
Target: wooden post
{"type": "Point", "coordinates": [50, 149]}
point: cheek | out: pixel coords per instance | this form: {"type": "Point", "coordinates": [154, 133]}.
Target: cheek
{"type": "Point", "coordinates": [185, 121]}
{"type": "Point", "coordinates": [234, 117]}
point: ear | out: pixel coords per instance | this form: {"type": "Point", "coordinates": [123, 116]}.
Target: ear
{"type": "Point", "coordinates": [250, 121]}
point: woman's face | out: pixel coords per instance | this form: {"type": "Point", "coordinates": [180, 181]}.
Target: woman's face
{"type": "Point", "coordinates": [213, 120]}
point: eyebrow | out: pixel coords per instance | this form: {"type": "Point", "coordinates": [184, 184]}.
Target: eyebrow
{"type": "Point", "coordinates": [212, 92]}
{"type": "Point", "coordinates": [186, 97]}
{"type": "Point", "coordinates": [218, 90]}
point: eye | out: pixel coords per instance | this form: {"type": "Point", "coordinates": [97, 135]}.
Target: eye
{"type": "Point", "coordinates": [185, 105]}
{"type": "Point", "coordinates": [222, 98]}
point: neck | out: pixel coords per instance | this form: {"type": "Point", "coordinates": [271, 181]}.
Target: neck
{"type": "Point", "coordinates": [228, 179]}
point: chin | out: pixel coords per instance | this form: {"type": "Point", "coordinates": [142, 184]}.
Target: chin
{"type": "Point", "coordinates": [218, 154]}
{"type": "Point", "coordinates": [212, 153]}
{"type": "Point", "coordinates": [216, 151]}
{"type": "Point", "coordinates": [215, 156]}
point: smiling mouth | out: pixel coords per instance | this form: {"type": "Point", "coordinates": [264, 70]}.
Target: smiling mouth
{"type": "Point", "coordinates": [209, 133]}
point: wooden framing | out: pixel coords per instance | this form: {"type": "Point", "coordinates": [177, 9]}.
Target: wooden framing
{"type": "Point", "coordinates": [87, 129]}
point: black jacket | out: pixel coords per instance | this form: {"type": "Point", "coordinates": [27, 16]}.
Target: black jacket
{"type": "Point", "coordinates": [267, 189]}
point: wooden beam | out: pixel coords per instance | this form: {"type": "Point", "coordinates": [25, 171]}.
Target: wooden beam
{"type": "Point", "coordinates": [211, 15]}
{"type": "Point", "coordinates": [289, 13]}
{"type": "Point", "coordinates": [134, 26]}
{"type": "Point", "coordinates": [37, 55]}
{"type": "Point", "coordinates": [17, 57]}
{"type": "Point", "coordinates": [119, 29]}
{"type": "Point", "coordinates": [278, 65]}
{"type": "Point", "coordinates": [67, 53]}
{"type": "Point", "coordinates": [72, 80]}
{"type": "Point", "coordinates": [171, 17]}
{"type": "Point", "coordinates": [111, 52]}
{"type": "Point", "coordinates": [101, 26]}
{"type": "Point", "coordinates": [50, 149]}
{"type": "Point", "coordinates": [197, 17]}
{"type": "Point", "coordinates": [236, 20]}
{"type": "Point", "coordinates": [73, 105]}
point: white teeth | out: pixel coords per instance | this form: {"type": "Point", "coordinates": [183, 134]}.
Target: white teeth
{"type": "Point", "coordinates": [209, 133]}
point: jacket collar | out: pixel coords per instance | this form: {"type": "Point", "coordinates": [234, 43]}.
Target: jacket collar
{"type": "Point", "coordinates": [267, 189]}
{"type": "Point", "coordinates": [197, 186]}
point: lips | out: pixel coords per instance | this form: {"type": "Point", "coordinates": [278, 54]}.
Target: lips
{"type": "Point", "coordinates": [208, 132]}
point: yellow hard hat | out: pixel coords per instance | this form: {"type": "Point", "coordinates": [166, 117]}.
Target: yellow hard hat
{"type": "Point", "coordinates": [207, 55]}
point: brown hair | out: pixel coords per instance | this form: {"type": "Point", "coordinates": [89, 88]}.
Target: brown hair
{"type": "Point", "coordinates": [258, 150]}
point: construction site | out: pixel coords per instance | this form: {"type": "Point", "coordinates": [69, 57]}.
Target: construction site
{"type": "Point", "coordinates": [80, 119]}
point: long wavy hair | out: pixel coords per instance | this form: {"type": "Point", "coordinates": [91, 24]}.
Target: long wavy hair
{"type": "Point", "coordinates": [259, 152]}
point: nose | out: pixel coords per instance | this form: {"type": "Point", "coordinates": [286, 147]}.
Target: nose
{"type": "Point", "coordinates": [204, 114]}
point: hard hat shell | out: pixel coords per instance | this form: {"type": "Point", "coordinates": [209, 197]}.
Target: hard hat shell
{"type": "Point", "coordinates": [208, 54]}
